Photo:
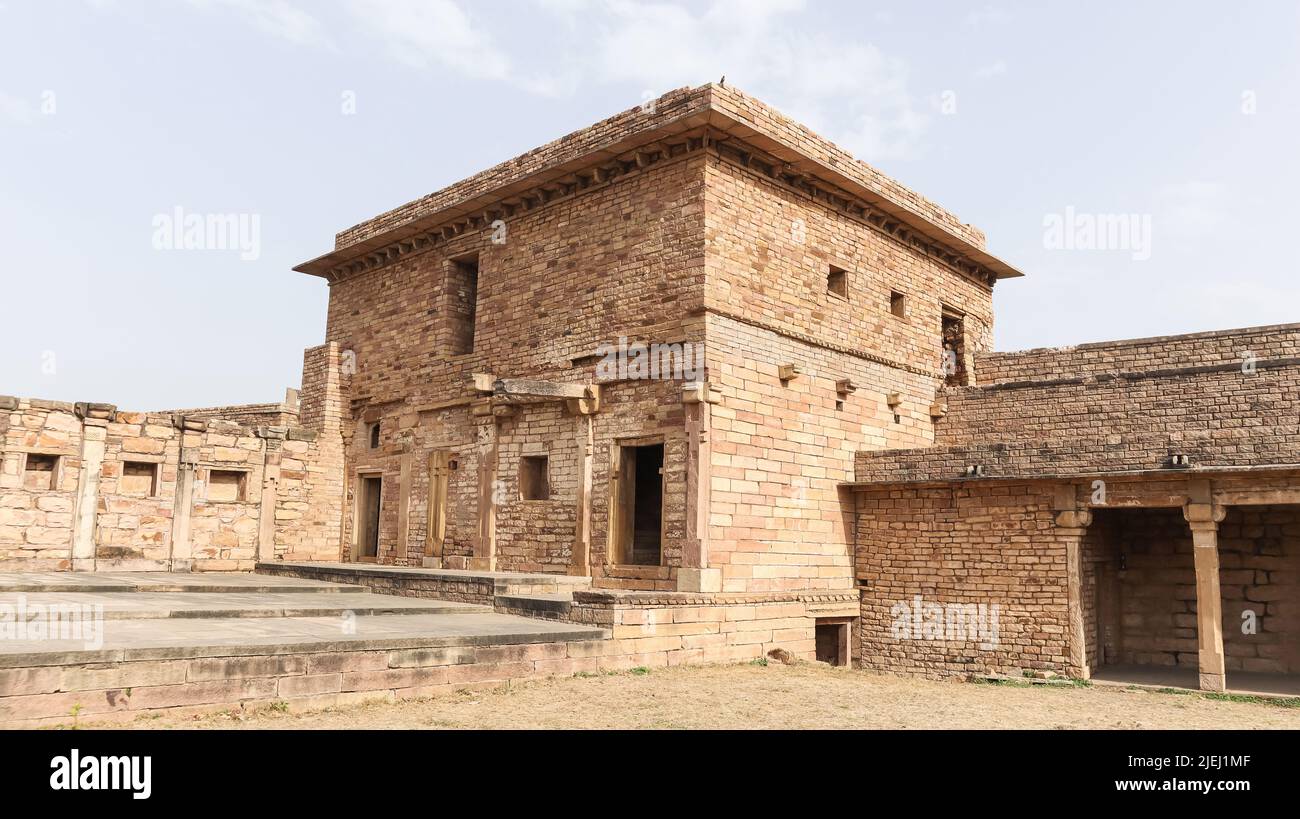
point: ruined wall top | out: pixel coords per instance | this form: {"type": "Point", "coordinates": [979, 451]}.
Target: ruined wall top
{"type": "Point", "coordinates": [1138, 355]}
{"type": "Point", "coordinates": [1226, 400]}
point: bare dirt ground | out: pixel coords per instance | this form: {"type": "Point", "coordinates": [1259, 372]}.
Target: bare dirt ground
{"type": "Point", "coordinates": [806, 695]}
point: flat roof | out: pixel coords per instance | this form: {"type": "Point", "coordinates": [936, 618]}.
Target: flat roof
{"type": "Point", "coordinates": [727, 113]}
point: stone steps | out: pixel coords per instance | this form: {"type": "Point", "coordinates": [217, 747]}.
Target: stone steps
{"type": "Point", "coordinates": [160, 642]}
{"type": "Point", "coordinates": [165, 605]}
{"type": "Point", "coordinates": [553, 606]}
{"type": "Point", "coordinates": [484, 588]}
{"type": "Point", "coordinates": [213, 583]}
{"type": "Point", "coordinates": [135, 639]}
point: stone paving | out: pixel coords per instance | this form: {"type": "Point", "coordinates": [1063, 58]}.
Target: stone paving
{"type": "Point", "coordinates": [119, 644]}
{"type": "Point", "coordinates": [223, 611]}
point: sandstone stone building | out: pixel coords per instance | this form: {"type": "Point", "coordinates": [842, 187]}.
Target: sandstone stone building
{"type": "Point", "coordinates": [732, 390]}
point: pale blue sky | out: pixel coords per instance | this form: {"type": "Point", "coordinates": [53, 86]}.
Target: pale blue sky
{"type": "Point", "coordinates": [114, 112]}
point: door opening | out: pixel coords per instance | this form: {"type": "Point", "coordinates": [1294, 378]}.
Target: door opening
{"type": "Point", "coordinates": [368, 509]}
{"type": "Point", "coordinates": [833, 641]}
{"type": "Point", "coordinates": [641, 501]}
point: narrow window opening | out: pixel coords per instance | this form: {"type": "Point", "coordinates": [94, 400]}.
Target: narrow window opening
{"type": "Point", "coordinates": [837, 282]}
{"type": "Point", "coordinates": [372, 435]}
{"type": "Point", "coordinates": [534, 482]}
{"type": "Point", "coordinates": [462, 290]}
{"type": "Point", "coordinates": [227, 486]}
{"type": "Point", "coordinates": [898, 304]}
{"type": "Point", "coordinates": [41, 472]}
{"type": "Point", "coordinates": [954, 349]}
{"type": "Point", "coordinates": [139, 478]}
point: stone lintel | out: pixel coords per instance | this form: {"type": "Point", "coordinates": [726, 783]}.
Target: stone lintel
{"type": "Point", "coordinates": [533, 388]}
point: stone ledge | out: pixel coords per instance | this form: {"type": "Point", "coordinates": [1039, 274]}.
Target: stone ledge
{"type": "Point", "coordinates": [654, 598]}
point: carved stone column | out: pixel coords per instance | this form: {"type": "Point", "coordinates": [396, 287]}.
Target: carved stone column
{"type": "Point", "coordinates": [1204, 517]}
{"type": "Point", "coordinates": [274, 453]}
{"type": "Point", "coordinates": [489, 433]}
{"type": "Point", "coordinates": [580, 560]}
{"type": "Point", "coordinates": [94, 419]}
{"type": "Point", "coordinates": [695, 574]}
{"type": "Point", "coordinates": [1072, 525]}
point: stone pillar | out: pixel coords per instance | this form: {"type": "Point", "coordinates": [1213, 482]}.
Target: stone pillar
{"type": "Point", "coordinates": [695, 574]}
{"type": "Point", "coordinates": [1072, 526]}
{"type": "Point", "coordinates": [182, 552]}
{"type": "Point", "coordinates": [273, 438]}
{"type": "Point", "coordinates": [580, 562]}
{"type": "Point", "coordinates": [1204, 516]}
{"type": "Point", "coordinates": [485, 543]}
{"type": "Point", "coordinates": [94, 429]}
{"type": "Point", "coordinates": [404, 463]}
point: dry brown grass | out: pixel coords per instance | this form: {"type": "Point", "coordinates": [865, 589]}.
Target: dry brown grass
{"type": "Point", "coordinates": [758, 697]}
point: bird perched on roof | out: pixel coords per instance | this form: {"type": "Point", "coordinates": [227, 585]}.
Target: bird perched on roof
{"type": "Point", "coordinates": [723, 81]}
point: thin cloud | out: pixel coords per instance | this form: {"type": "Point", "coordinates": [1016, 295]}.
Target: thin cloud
{"type": "Point", "coordinates": [848, 90]}
{"type": "Point", "coordinates": [278, 18]}
{"type": "Point", "coordinates": [15, 109]}
{"type": "Point", "coordinates": [851, 91]}
{"type": "Point", "coordinates": [987, 16]}
{"type": "Point", "coordinates": [1192, 209]}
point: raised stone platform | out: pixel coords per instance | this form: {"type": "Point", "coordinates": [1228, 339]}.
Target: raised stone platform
{"type": "Point", "coordinates": [148, 643]}
{"type": "Point", "coordinates": [482, 588]}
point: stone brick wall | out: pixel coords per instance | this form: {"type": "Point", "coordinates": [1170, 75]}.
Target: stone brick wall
{"type": "Point", "coordinates": [134, 527]}
{"type": "Point", "coordinates": [781, 448]}
{"type": "Point", "coordinates": [36, 511]}
{"type": "Point", "coordinates": [1259, 554]}
{"type": "Point", "coordinates": [770, 247]}
{"type": "Point", "coordinates": [1219, 417]}
{"type": "Point", "coordinates": [308, 469]}
{"type": "Point", "coordinates": [537, 535]}
{"type": "Point", "coordinates": [1139, 355]}
{"type": "Point", "coordinates": [624, 260]}
{"type": "Point", "coordinates": [954, 546]}
{"type": "Point", "coordinates": [1185, 402]}
{"type": "Point", "coordinates": [767, 120]}
{"type": "Point", "coordinates": [281, 414]}
{"type": "Point", "coordinates": [135, 491]}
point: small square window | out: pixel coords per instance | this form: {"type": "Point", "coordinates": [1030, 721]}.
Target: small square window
{"type": "Point", "coordinates": [534, 482]}
{"type": "Point", "coordinates": [837, 282]}
{"type": "Point", "coordinates": [372, 435]}
{"type": "Point", "coordinates": [898, 304]}
{"type": "Point", "coordinates": [41, 474]}
{"type": "Point", "coordinates": [138, 478]}
{"type": "Point", "coordinates": [227, 486]}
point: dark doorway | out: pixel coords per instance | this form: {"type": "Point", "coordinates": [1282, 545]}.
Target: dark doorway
{"type": "Point", "coordinates": [642, 500]}
{"type": "Point", "coordinates": [368, 512]}
{"type": "Point", "coordinates": [833, 642]}
{"type": "Point", "coordinates": [954, 349]}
